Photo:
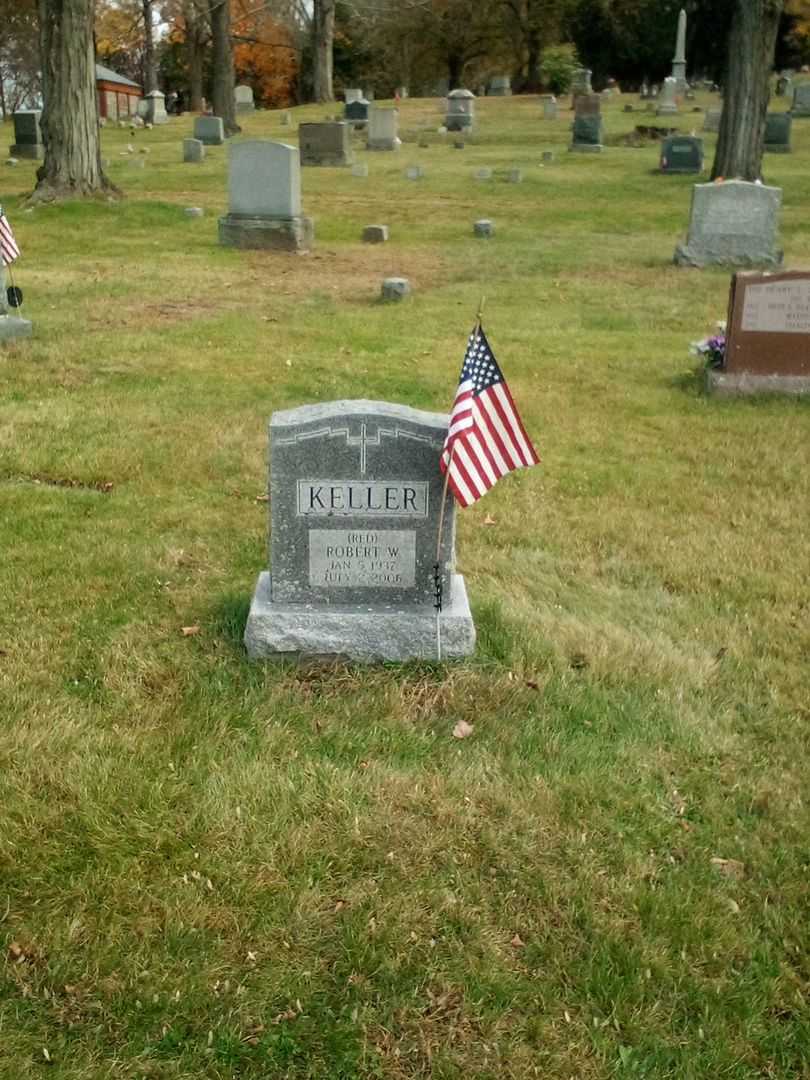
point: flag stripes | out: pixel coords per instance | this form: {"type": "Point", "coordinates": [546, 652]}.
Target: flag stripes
{"type": "Point", "coordinates": [486, 438]}
{"type": "Point", "coordinates": [8, 245]}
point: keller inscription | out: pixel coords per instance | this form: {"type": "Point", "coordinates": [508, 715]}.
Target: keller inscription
{"type": "Point", "coordinates": [347, 498]}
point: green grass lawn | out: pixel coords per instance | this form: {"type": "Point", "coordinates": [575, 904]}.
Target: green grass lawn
{"type": "Point", "coordinates": [211, 869]}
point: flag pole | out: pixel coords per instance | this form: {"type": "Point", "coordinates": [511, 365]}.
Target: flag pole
{"type": "Point", "coordinates": [437, 576]}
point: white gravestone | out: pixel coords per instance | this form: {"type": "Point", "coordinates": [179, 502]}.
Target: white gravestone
{"type": "Point", "coordinates": [243, 98]}
{"type": "Point", "coordinates": [383, 126]}
{"type": "Point", "coordinates": [264, 198]}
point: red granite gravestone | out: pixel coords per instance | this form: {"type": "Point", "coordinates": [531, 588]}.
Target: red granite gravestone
{"type": "Point", "coordinates": [768, 336]}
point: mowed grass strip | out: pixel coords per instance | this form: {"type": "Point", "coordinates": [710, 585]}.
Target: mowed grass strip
{"type": "Point", "coordinates": [215, 869]}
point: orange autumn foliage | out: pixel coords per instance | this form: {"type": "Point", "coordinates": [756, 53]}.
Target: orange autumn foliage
{"type": "Point", "coordinates": [264, 55]}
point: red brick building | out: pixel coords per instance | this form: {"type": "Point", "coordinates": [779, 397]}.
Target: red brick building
{"type": "Point", "coordinates": [117, 97]}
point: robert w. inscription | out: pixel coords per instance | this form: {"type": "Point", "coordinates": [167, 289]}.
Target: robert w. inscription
{"type": "Point", "coordinates": [347, 498]}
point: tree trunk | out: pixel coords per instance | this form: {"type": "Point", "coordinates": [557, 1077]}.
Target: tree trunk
{"type": "Point", "coordinates": [149, 66]}
{"type": "Point", "coordinates": [323, 36]}
{"type": "Point", "coordinates": [195, 50]}
{"type": "Point", "coordinates": [70, 131]}
{"type": "Point", "coordinates": [533, 49]}
{"type": "Point", "coordinates": [455, 67]}
{"type": "Point", "coordinates": [751, 46]}
{"type": "Point", "coordinates": [222, 91]}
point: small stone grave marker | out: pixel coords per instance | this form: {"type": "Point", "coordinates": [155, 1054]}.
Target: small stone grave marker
{"type": "Point", "coordinates": [383, 127]}
{"type": "Point", "coordinates": [193, 150]}
{"type": "Point", "coordinates": [500, 86]}
{"type": "Point", "coordinates": [355, 496]}
{"type": "Point", "coordinates": [711, 121]}
{"type": "Point", "coordinates": [777, 132]}
{"type": "Point", "coordinates": [375, 234]}
{"type": "Point", "coordinates": [732, 224]}
{"type": "Point", "coordinates": [801, 100]}
{"type": "Point", "coordinates": [550, 107]}
{"type": "Point", "coordinates": [768, 340]}
{"type": "Point", "coordinates": [356, 113]}
{"type": "Point", "coordinates": [209, 130]}
{"type": "Point", "coordinates": [483, 174]}
{"type": "Point", "coordinates": [325, 144]}
{"type": "Point", "coordinates": [243, 98]}
{"type": "Point", "coordinates": [395, 288]}
{"type": "Point", "coordinates": [483, 228]}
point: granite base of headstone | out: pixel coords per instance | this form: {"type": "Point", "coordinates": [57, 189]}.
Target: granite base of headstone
{"type": "Point", "coordinates": [264, 199]}
{"type": "Point", "coordinates": [355, 498]}
{"type": "Point", "coordinates": [209, 130]}
{"type": "Point", "coordinates": [768, 337]}
{"type": "Point", "coordinates": [734, 223]}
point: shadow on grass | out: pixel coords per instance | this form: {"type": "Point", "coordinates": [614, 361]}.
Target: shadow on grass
{"type": "Point", "coordinates": [691, 382]}
{"type": "Point", "coordinates": [228, 618]}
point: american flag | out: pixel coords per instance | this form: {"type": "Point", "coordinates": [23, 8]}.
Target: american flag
{"type": "Point", "coordinates": [8, 245]}
{"type": "Point", "coordinates": [486, 438]}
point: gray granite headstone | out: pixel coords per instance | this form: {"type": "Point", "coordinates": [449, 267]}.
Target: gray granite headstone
{"type": "Point", "coordinates": [500, 86]}
{"type": "Point", "coordinates": [243, 98]}
{"type": "Point", "coordinates": [395, 288]}
{"type": "Point", "coordinates": [27, 135]}
{"type": "Point", "coordinates": [264, 198]}
{"type": "Point", "coordinates": [325, 144]}
{"type": "Point", "coordinates": [733, 223]}
{"type": "Point", "coordinates": [209, 130]}
{"type": "Point", "coordinates": [356, 112]}
{"type": "Point", "coordinates": [383, 129]}
{"type": "Point", "coordinates": [460, 115]}
{"type": "Point", "coordinates": [801, 100]}
{"type": "Point", "coordinates": [587, 126]}
{"type": "Point", "coordinates": [193, 150]}
{"type": "Point", "coordinates": [777, 132]}
{"type": "Point", "coordinates": [711, 121]}
{"type": "Point", "coordinates": [681, 154]}
{"type": "Point", "coordinates": [355, 496]}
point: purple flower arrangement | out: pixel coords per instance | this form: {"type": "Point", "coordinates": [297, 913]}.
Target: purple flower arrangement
{"type": "Point", "coordinates": [712, 349]}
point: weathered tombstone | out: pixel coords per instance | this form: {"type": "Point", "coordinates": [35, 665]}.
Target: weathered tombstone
{"type": "Point", "coordinates": [801, 100]}
{"type": "Point", "coordinates": [264, 199]}
{"type": "Point", "coordinates": [667, 103]}
{"type": "Point", "coordinates": [500, 86]}
{"type": "Point", "coordinates": [27, 135]}
{"type": "Point", "coordinates": [243, 98]}
{"type": "Point", "coordinates": [356, 113]}
{"type": "Point", "coordinates": [483, 228]}
{"type": "Point", "coordinates": [777, 132]}
{"type": "Point", "coordinates": [711, 121]}
{"type": "Point", "coordinates": [460, 114]}
{"type": "Point", "coordinates": [581, 82]}
{"type": "Point", "coordinates": [383, 125]}
{"type": "Point", "coordinates": [193, 150]}
{"type": "Point", "coordinates": [681, 154]}
{"type": "Point", "coordinates": [679, 61]}
{"type": "Point", "coordinates": [732, 224]}
{"type": "Point", "coordinates": [355, 498]}
{"type": "Point", "coordinates": [784, 85]}
{"type": "Point", "coordinates": [587, 126]}
{"type": "Point", "coordinates": [768, 339]}
{"type": "Point", "coordinates": [375, 234]}
{"type": "Point", "coordinates": [156, 108]}
{"type": "Point", "coordinates": [353, 93]}
{"type": "Point", "coordinates": [325, 144]}
{"type": "Point", "coordinates": [549, 107]}
{"type": "Point", "coordinates": [395, 288]}
{"type": "Point", "coordinates": [209, 130]}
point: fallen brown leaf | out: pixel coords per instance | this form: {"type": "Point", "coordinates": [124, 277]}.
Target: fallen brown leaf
{"type": "Point", "coordinates": [517, 942]}
{"type": "Point", "coordinates": [730, 867]}
{"type": "Point", "coordinates": [190, 631]}
{"type": "Point", "coordinates": [489, 520]}
{"type": "Point", "coordinates": [462, 730]}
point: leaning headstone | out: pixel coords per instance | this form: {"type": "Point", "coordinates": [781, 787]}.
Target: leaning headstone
{"type": "Point", "coordinates": [581, 82]}
{"type": "Point", "coordinates": [209, 130]}
{"type": "Point", "coordinates": [801, 100]}
{"type": "Point", "coordinates": [711, 121]}
{"type": "Point", "coordinates": [768, 339]}
{"type": "Point", "coordinates": [483, 228]}
{"type": "Point", "coordinates": [500, 86]}
{"type": "Point", "coordinates": [777, 132]}
{"type": "Point", "coordinates": [395, 288]}
{"type": "Point", "coordinates": [375, 234]}
{"type": "Point", "coordinates": [264, 199]}
{"type": "Point", "coordinates": [354, 93]}
{"type": "Point", "coordinates": [156, 108]}
{"type": "Point", "coordinates": [667, 102]}
{"type": "Point", "coordinates": [549, 107]}
{"type": "Point", "coordinates": [243, 98]}
{"type": "Point", "coordinates": [681, 154]}
{"type": "Point", "coordinates": [325, 144]}
{"type": "Point", "coordinates": [355, 503]}
{"type": "Point", "coordinates": [732, 224]}
{"type": "Point", "coordinates": [383, 126]}
{"type": "Point", "coordinates": [27, 135]}
{"type": "Point", "coordinates": [460, 114]}
{"type": "Point", "coordinates": [587, 126]}
{"type": "Point", "coordinates": [356, 113]}
{"type": "Point", "coordinates": [193, 150]}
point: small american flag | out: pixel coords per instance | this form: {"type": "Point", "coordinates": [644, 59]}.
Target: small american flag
{"type": "Point", "coordinates": [8, 245]}
{"type": "Point", "coordinates": [486, 438]}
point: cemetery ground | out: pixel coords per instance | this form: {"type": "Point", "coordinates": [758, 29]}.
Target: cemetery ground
{"type": "Point", "coordinates": [215, 869]}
